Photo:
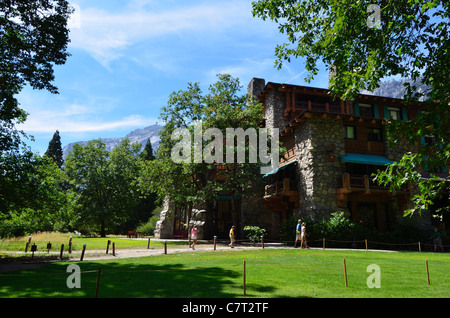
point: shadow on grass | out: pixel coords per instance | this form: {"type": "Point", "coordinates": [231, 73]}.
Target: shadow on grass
{"type": "Point", "coordinates": [124, 280]}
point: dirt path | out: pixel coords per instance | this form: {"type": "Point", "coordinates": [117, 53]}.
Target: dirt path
{"type": "Point", "coordinates": [92, 255]}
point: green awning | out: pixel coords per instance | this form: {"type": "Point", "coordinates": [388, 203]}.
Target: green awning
{"type": "Point", "coordinates": [279, 168]}
{"type": "Point", "coordinates": [366, 159]}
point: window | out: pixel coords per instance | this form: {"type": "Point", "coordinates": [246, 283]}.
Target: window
{"type": "Point", "coordinates": [429, 140]}
{"type": "Point", "coordinates": [350, 132]}
{"type": "Point", "coordinates": [394, 113]}
{"type": "Point", "coordinates": [373, 134]}
{"type": "Point", "coordinates": [365, 110]}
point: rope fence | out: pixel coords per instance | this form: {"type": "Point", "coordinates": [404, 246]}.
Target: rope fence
{"type": "Point", "coordinates": [345, 244]}
{"type": "Point", "coordinates": [260, 242]}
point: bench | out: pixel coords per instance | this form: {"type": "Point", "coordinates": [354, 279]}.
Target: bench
{"type": "Point", "coordinates": [179, 235]}
{"type": "Point", "coordinates": [132, 234]}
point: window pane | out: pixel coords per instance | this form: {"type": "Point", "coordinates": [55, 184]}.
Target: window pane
{"type": "Point", "coordinates": [349, 132]}
{"type": "Point", "coordinates": [373, 134]}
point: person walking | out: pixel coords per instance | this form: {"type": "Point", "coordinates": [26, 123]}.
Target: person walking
{"type": "Point", "coordinates": [232, 236]}
{"type": "Point", "coordinates": [304, 243]}
{"type": "Point", "coordinates": [194, 235]}
{"type": "Point", "coordinates": [298, 232]}
{"type": "Point", "coordinates": [437, 240]}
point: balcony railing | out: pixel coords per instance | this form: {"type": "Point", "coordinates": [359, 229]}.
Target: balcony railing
{"type": "Point", "coordinates": [349, 182]}
{"type": "Point", "coordinates": [285, 187]}
{"type": "Point", "coordinates": [334, 108]}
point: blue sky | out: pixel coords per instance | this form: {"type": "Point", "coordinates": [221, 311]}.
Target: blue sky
{"type": "Point", "coordinates": [129, 56]}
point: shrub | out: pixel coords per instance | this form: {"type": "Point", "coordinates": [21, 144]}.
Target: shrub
{"type": "Point", "coordinates": [14, 227]}
{"type": "Point", "coordinates": [255, 232]}
{"type": "Point", "coordinates": [148, 228]}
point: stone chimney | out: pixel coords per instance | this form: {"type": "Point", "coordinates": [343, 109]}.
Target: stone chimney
{"type": "Point", "coordinates": [256, 86]}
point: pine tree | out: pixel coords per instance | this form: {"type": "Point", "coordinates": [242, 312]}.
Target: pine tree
{"type": "Point", "coordinates": [147, 153]}
{"type": "Point", "coordinates": [54, 149]}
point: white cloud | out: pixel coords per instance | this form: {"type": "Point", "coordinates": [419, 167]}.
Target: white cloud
{"type": "Point", "coordinates": [79, 119]}
{"type": "Point", "coordinates": [105, 34]}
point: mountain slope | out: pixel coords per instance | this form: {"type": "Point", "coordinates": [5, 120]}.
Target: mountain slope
{"type": "Point", "coordinates": [139, 135]}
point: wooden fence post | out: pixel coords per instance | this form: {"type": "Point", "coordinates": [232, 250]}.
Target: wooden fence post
{"type": "Point", "coordinates": [70, 245]}
{"type": "Point", "coordinates": [244, 286]}
{"type": "Point", "coordinates": [262, 241]}
{"type": "Point", "coordinates": [323, 243]}
{"type": "Point", "coordinates": [215, 242]}
{"type": "Point", "coordinates": [82, 252]}
{"type": "Point", "coordinates": [28, 244]}
{"type": "Point", "coordinates": [148, 244]}
{"type": "Point", "coordinates": [62, 251]}
{"type": "Point", "coordinates": [420, 250]}
{"type": "Point", "coordinates": [107, 246]}
{"type": "Point", "coordinates": [165, 247]}
{"type": "Point", "coordinates": [98, 281]}
{"type": "Point", "coordinates": [345, 274]}
{"type": "Point", "coordinates": [428, 274]}
{"type": "Point", "coordinates": [366, 244]}
{"type": "Point", "coordinates": [114, 248]}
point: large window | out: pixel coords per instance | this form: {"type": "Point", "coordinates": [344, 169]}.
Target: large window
{"type": "Point", "coordinates": [394, 113]}
{"type": "Point", "coordinates": [365, 110]}
{"type": "Point", "coordinates": [373, 134]}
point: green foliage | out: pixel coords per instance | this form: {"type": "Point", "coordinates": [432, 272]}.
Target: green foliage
{"type": "Point", "coordinates": [33, 39]}
{"type": "Point", "coordinates": [255, 232]}
{"type": "Point", "coordinates": [148, 228]}
{"type": "Point", "coordinates": [14, 226]}
{"type": "Point", "coordinates": [105, 184]}
{"type": "Point", "coordinates": [344, 232]}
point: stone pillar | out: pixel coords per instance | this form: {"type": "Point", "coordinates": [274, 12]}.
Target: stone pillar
{"type": "Point", "coordinates": [198, 217]}
{"type": "Point", "coordinates": [319, 143]}
{"type": "Point", "coordinates": [164, 226]}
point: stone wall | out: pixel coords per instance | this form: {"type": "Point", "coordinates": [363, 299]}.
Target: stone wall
{"type": "Point", "coordinates": [319, 143]}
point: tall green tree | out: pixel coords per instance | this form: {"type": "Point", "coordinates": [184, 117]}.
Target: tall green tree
{"type": "Point", "coordinates": [142, 212]}
{"type": "Point", "coordinates": [33, 38]}
{"type": "Point", "coordinates": [200, 181]}
{"type": "Point", "coordinates": [54, 150]}
{"type": "Point", "coordinates": [105, 183]}
{"type": "Point", "coordinates": [363, 42]}
{"type": "Point", "coordinates": [148, 153]}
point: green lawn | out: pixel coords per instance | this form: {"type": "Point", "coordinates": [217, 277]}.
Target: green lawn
{"type": "Point", "coordinates": [94, 243]}
{"type": "Point", "coordinates": [270, 273]}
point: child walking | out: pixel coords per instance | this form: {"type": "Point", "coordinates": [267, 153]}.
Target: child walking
{"type": "Point", "coordinates": [194, 235]}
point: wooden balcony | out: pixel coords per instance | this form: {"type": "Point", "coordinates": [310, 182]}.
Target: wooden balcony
{"type": "Point", "coordinates": [363, 185]}
{"type": "Point", "coordinates": [298, 106]}
{"type": "Point", "coordinates": [280, 195]}
{"type": "Point", "coordinates": [286, 187]}
{"type": "Point", "coordinates": [365, 147]}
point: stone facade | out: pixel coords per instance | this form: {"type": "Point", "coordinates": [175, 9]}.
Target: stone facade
{"type": "Point", "coordinates": [319, 143]}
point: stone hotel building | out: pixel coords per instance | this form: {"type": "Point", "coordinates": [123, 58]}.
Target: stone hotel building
{"type": "Point", "coordinates": [332, 149]}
